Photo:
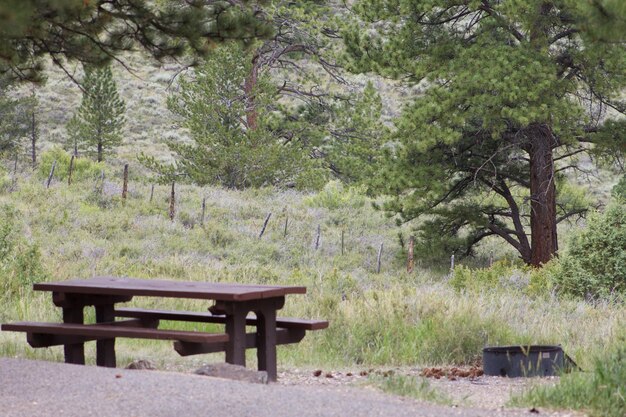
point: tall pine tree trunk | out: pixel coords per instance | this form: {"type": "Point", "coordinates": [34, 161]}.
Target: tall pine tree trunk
{"type": "Point", "coordinates": [542, 194]}
{"type": "Point", "coordinates": [33, 139]}
{"type": "Point", "coordinates": [542, 182]}
{"type": "Point", "coordinates": [100, 145]}
{"type": "Point", "coordinates": [249, 87]}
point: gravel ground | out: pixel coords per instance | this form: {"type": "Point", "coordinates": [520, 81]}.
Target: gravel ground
{"type": "Point", "coordinates": [488, 392]}
{"type": "Point", "coordinates": [37, 388]}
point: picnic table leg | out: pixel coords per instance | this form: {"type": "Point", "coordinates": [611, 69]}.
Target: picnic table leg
{"type": "Point", "coordinates": [266, 342]}
{"type": "Point", "coordinates": [105, 349]}
{"type": "Point", "coordinates": [236, 330]}
{"type": "Point", "coordinates": [74, 352]}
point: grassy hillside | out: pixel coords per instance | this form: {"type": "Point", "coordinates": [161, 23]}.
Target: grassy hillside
{"type": "Point", "coordinates": [386, 318]}
{"type": "Point", "coordinates": [144, 85]}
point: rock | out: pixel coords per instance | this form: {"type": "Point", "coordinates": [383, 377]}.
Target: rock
{"type": "Point", "coordinates": [236, 372]}
{"type": "Point", "coordinates": [141, 364]}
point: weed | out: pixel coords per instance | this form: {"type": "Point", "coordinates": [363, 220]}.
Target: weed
{"type": "Point", "coordinates": [602, 392]}
{"type": "Point", "coordinates": [409, 386]}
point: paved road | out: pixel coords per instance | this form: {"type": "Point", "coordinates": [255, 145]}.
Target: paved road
{"type": "Point", "coordinates": [37, 388]}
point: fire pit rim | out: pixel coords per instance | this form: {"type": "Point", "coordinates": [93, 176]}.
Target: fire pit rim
{"type": "Point", "coordinates": [522, 348]}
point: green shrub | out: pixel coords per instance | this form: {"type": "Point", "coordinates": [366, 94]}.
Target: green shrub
{"type": "Point", "coordinates": [603, 392]}
{"type": "Point", "coordinates": [619, 191]}
{"type": "Point", "coordinates": [334, 196]}
{"type": "Point", "coordinates": [28, 267]}
{"type": "Point", "coordinates": [7, 225]}
{"type": "Point", "coordinates": [595, 264]}
{"type": "Point", "coordinates": [20, 261]}
{"type": "Point", "coordinates": [83, 168]}
{"type": "Point", "coordinates": [5, 180]}
{"type": "Point", "coordinates": [542, 280]}
{"type": "Point", "coordinates": [501, 274]}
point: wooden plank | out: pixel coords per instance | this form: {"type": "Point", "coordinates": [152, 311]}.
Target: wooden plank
{"type": "Point", "coordinates": [283, 337]}
{"type": "Point", "coordinates": [266, 343]}
{"type": "Point", "coordinates": [106, 331]}
{"type": "Point", "coordinates": [200, 317]}
{"type": "Point", "coordinates": [39, 340]}
{"type": "Point", "coordinates": [74, 352]}
{"type": "Point", "coordinates": [236, 328]}
{"type": "Point", "coordinates": [105, 348]}
{"type": "Point", "coordinates": [80, 300]}
{"type": "Point", "coordinates": [164, 288]}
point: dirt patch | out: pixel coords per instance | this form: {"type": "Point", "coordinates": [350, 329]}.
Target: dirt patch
{"type": "Point", "coordinates": [452, 373]}
{"type": "Point", "coordinates": [466, 386]}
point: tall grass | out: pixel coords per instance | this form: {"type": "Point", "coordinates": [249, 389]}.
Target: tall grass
{"type": "Point", "coordinates": [602, 393]}
{"type": "Point", "coordinates": [391, 318]}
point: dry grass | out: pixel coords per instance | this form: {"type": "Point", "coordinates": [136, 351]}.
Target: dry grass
{"type": "Point", "coordinates": [391, 318]}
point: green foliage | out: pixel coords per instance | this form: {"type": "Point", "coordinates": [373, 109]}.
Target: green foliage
{"type": "Point", "coordinates": [595, 264]}
{"type": "Point", "coordinates": [335, 195]}
{"type": "Point", "coordinates": [229, 150]}
{"type": "Point", "coordinates": [13, 118]}
{"type": "Point", "coordinates": [601, 393]}
{"type": "Point", "coordinates": [83, 168]}
{"type": "Point", "coordinates": [542, 279]}
{"type": "Point", "coordinates": [619, 190]}
{"type": "Point", "coordinates": [496, 92]}
{"type": "Point", "coordinates": [94, 32]}
{"type": "Point", "coordinates": [356, 152]}
{"type": "Point", "coordinates": [500, 274]}
{"type": "Point", "coordinates": [100, 118]}
{"type": "Point", "coordinates": [5, 180]}
{"type": "Point", "coordinates": [607, 19]}
{"type": "Point", "coordinates": [20, 262]}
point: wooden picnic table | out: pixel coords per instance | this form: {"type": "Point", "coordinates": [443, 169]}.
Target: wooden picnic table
{"type": "Point", "coordinates": [232, 303]}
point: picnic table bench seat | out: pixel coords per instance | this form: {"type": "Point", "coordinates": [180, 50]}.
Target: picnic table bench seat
{"type": "Point", "coordinates": [42, 334]}
{"type": "Point", "coordinates": [208, 317]}
{"type": "Point", "coordinates": [288, 330]}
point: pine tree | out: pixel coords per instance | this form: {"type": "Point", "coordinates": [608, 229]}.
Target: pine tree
{"type": "Point", "coordinates": [515, 90]}
{"type": "Point", "coordinates": [96, 31]}
{"type": "Point", "coordinates": [355, 152]}
{"type": "Point", "coordinates": [99, 121]}
{"type": "Point", "coordinates": [228, 150]}
{"type": "Point", "coordinates": [13, 119]}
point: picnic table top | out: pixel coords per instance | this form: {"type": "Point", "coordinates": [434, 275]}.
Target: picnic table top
{"type": "Point", "coordinates": [107, 285]}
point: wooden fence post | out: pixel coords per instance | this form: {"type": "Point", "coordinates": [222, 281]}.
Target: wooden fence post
{"type": "Point", "coordinates": [151, 193]}
{"type": "Point", "coordinates": [203, 211]}
{"type": "Point", "coordinates": [54, 164]}
{"type": "Point", "coordinates": [286, 223]}
{"type": "Point", "coordinates": [342, 241]}
{"type": "Point", "coordinates": [173, 202]}
{"type": "Point", "coordinates": [70, 170]}
{"type": "Point", "coordinates": [378, 260]}
{"type": "Point", "coordinates": [267, 219]}
{"type": "Point", "coordinates": [14, 180]}
{"type": "Point", "coordinates": [317, 237]}
{"type": "Point", "coordinates": [125, 184]}
{"type": "Point", "coordinates": [409, 262]}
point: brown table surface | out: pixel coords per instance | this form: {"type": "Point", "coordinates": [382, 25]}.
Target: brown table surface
{"type": "Point", "coordinates": [104, 285]}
